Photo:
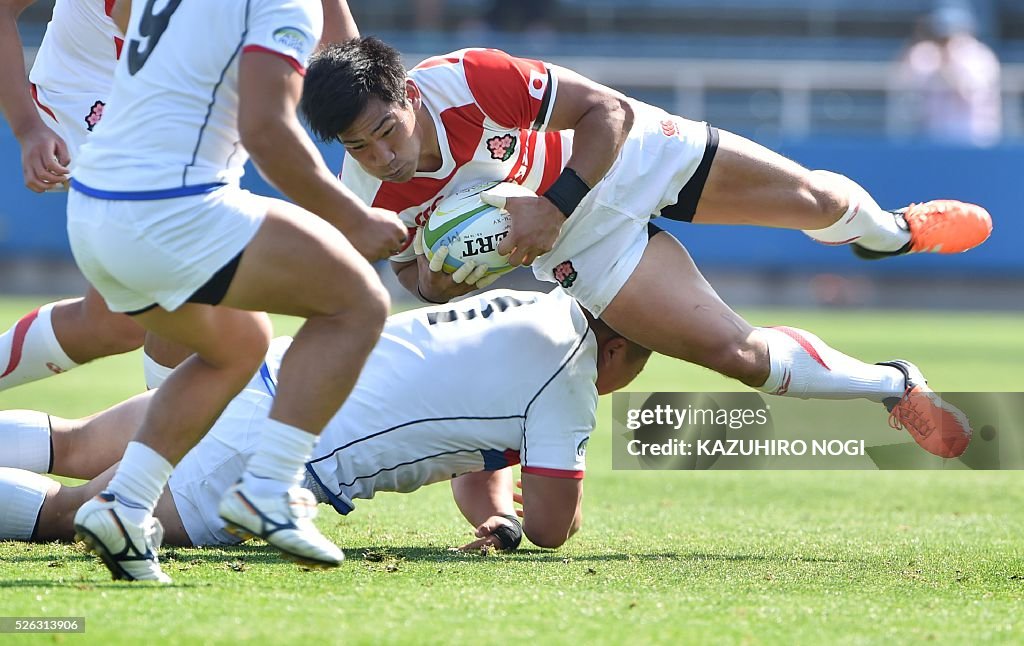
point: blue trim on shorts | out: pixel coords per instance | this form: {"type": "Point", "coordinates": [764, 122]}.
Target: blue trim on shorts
{"type": "Point", "coordinates": [268, 380]}
{"type": "Point", "coordinates": [159, 194]}
{"type": "Point", "coordinates": [339, 505]}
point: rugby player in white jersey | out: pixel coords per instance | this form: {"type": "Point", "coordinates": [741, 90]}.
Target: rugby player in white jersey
{"type": "Point", "coordinates": [463, 390]}
{"type": "Point", "coordinates": [158, 224]}
{"type": "Point", "coordinates": [603, 165]}
{"type": "Point", "coordinates": [51, 113]}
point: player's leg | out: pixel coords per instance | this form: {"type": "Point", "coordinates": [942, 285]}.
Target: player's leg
{"type": "Point", "coordinates": [747, 183]}
{"type": "Point", "coordinates": [85, 448]}
{"type": "Point", "coordinates": [88, 330]}
{"type": "Point", "coordinates": [229, 346]}
{"type": "Point", "coordinates": [692, 323]}
{"type": "Point", "coordinates": [344, 316]}
{"type": "Point", "coordinates": [38, 509]}
{"type": "Point", "coordinates": [75, 448]}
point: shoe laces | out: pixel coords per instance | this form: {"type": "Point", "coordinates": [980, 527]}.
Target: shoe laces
{"type": "Point", "coordinates": [908, 413]}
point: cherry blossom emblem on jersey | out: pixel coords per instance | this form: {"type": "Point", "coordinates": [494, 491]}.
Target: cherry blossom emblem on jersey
{"type": "Point", "coordinates": [502, 147]}
{"type": "Point", "coordinates": [565, 274]}
{"type": "Point", "coordinates": [94, 116]}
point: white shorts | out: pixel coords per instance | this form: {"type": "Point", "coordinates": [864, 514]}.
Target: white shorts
{"type": "Point", "coordinates": [602, 242]}
{"type": "Point", "coordinates": [199, 481]}
{"type": "Point", "coordinates": [71, 116]}
{"type": "Point", "coordinates": [138, 253]}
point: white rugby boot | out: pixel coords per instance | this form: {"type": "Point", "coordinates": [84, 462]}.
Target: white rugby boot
{"type": "Point", "coordinates": [128, 550]}
{"type": "Point", "coordinates": [285, 521]}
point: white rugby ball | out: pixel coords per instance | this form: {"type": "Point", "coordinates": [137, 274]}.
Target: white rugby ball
{"type": "Point", "coordinates": [470, 229]}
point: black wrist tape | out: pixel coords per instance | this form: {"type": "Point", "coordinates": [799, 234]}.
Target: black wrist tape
{"type": "Point", "coordinates": [509, 538]}
{"type": "Point", "coordinates": [567, 192]}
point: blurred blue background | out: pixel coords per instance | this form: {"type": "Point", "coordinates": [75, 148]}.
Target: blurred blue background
{"type": "Point", "coordinates": [818, 80]}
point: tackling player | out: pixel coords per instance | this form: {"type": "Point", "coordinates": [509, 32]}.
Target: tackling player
{"type": "Point", "coordinates": [159, 225]}
{"type": "Point", "coordinates": [604, 165]}
{"type": "Point", "coordinates": [530, 366]}
{"type": "Point", "coordinates": [51, 113]}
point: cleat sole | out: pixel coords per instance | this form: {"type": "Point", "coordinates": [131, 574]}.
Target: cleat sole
{"type": "Point", "coordinates": [95, 546]}
{"type": "Point", "coordinates": [245, 534]}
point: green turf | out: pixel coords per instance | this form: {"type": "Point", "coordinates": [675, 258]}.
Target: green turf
{"type": "Point", "coordinates": [672, 557]}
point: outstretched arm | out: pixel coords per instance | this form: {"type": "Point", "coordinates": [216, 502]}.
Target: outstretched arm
{"type": "Point", "coordinates": [44, 155]}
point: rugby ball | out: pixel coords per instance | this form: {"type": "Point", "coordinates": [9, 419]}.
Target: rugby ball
{"type": "Point", "coordinates": [470, 229]}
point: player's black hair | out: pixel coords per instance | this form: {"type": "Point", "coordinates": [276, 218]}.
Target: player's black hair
{"type": "Point", "coordinates": [341, 79]}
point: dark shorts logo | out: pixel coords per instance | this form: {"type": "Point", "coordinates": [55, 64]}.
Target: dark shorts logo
{"type": "Point", "coordinates": [501, 147]}
{"type": "Point", "coordinates": [94, 116]}
{"type": "Point", "coordinates": [565, 274]}
{"type": "Point", "coordinates": [581, 448]}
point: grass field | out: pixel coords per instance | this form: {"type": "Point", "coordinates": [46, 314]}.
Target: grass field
{"type": "Point", "coordinates": [663, 557]}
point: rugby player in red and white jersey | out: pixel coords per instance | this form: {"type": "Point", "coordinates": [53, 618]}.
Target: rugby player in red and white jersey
{"type": "Point", "coordinates": [480, 115]}
{"type": "Point", "coordinates": [51, 113]}
{"type": "Point", "coordinates": [403, 427]}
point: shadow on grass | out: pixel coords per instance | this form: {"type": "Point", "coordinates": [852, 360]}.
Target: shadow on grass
{"type": "Point", "coordinates": [87, 584]}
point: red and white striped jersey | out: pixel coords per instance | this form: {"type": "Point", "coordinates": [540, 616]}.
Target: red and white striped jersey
{"type": "Point", "coordinates": [79, 50]}
{"type": "Point", "coordinates": [490, 110]}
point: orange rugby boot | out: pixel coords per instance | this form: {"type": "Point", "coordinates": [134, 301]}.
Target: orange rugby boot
{"type": "Point", "coordinates": [939, 226]}
{"type": "Point", "coordinates": [937, 426]}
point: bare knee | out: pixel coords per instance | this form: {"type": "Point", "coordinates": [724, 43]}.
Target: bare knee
{"type": "Point", "coordinates": [245, 352]}
{"type": "Point", "coordinates": [56, 517]}
{"type": "Point", "coordinates": [361, 311]}
{"type": "Point", "coordinates": [829, 192]}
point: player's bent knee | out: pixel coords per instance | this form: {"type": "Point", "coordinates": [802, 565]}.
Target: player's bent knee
{"type": "Point", "coordinates": [830, 191]}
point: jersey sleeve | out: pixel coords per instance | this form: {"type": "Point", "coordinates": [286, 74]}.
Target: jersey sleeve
{"type": "Point", "coordinates": [289, 29]}
{"type": "Point", "coordinates": [513, 92]}
{"type": "Point", "coordinates": [558, 425]}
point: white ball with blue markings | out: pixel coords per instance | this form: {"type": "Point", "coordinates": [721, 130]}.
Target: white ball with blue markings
{"type": "Point", "coordinates": [470, 229]}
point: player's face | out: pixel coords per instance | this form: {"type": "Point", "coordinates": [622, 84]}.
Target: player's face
{"type": "Point", "coordinates": [384, 140]}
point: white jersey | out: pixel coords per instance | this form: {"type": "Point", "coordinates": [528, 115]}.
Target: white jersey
{"type": "Point", "coordinates": [170, 125]}
{"type": "Point", "coordinates": [500, 379]}
{"type": "Point", "coordinates": [79, 50]}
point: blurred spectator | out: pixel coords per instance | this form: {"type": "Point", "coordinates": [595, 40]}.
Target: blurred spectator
{"type": "Point", "coordinates": [952, 81]}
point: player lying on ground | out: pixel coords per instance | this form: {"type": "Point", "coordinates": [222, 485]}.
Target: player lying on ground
{"type": "Point", "coordinates": [51, 113]}
{"type": "Point", "coordinates": [469, 388]}
{"type": "Point", "coordinates": [478, 116]}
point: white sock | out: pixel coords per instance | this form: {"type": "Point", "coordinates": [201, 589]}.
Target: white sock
{"type": "Point", "coordinates": [139, 481]}
{"type": "Point", "coordinates": [803, 366]}
{"type": "Point", "coordinates": [25, 440]}
{"type": "Point", "coordinates": [864, 223]}
{"type": "Point", "coordinates": [30, 351]}
{"type": "Point", "coordinates": [155, 373]}
{"type": "Point", "coordinates": [279, 461]}
{"type": "Point", "coordinates": [21, 497]}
